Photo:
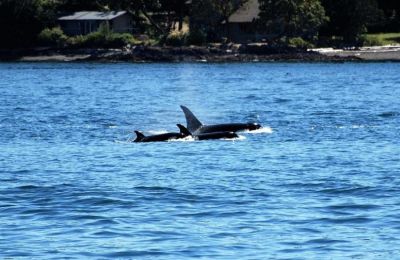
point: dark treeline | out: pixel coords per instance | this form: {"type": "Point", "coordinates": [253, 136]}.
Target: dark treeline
{"type": "Point", "coordinates": [313, 20]}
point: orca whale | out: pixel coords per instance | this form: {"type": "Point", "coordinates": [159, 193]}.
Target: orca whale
{"type": "Point", "coordinates": [216, 135]}
{"type": "Point", "coordinates": [140, 137]}
{"type": "Point", "coordinates": [213, 135]}
{"type": "Point", "coordinates": [196, 127]}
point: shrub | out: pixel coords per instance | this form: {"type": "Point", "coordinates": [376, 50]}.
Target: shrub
{"type": "Point", "coordinates": [122, 39]}
{"type": "Point", "coordinates": [196, 37]}
{"type": "Point", "coordinates": [372, 41]}
{"type": "Point", "coordinates": [112, 40]}
{"type": "Point", "coordinates": [102, 38]}
{"type": "Point", "coordinates": [299, 42]}
{"type": "Point", "coordinates": [176, 39]}
{"type": "Point", "coordinates": [76, 41]}
{"type": "Point", "coordinates": [94, 39]}
{"type": "Point", "coordinates": [104, 29]}
{"type": "Point", "coordinates": [53, 37]}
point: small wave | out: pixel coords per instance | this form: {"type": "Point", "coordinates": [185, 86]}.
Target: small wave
{"type": "Point", "coordinates": [281, 100]}
{"type": "Point", "coordinates": [353, 207]}
{"type": "Point", "coordinates": [87, 217]}
{"type": "Point", "coordinates": [28, 187]}
{"type": "Point", "coordinates": [355, 126]}
{"type": "Point", "coordinates": [325, 241]}
{"type": "Point", "coordinates": [103, 222]}
{"type": "Point", "coordinates": [156, 188]}
{"type": "Point", "coordinates": [349, 220]}
{"type": "Point", "coordinates": [129, 140]}
{"type": "Point", "coordinates": [346, 190]}
{"type": "Point", "coordinates": [38, 211]}
{"type": "Point", "coordinates": [124, 254]}
{"type": "Point", "coordinates": [100, 201]}
{"type": "Point", "coordinates": [109, 234]}
{"type": "Point", "coordinates": [324, 113]}
{"type": "Point", "coordinates": [389, 114]}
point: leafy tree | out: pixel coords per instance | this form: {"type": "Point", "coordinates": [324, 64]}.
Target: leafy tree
{"type": "Point", "coordinates": [291, 18]}
{"type": "Point", "coordinates": [207, 16]}
{"type": "Point", "coordinates": [391, 9]}
{"type": "Point", "coordinates": [176, 9]}
{"type": "Point", "coordinates": [145, 7]}
{"type": "Point", "coordinates": [21, 21]}
{"type": "Point", "coordinates": [79, 5]}
{"type": "Point", "coordinates": [350, 18]}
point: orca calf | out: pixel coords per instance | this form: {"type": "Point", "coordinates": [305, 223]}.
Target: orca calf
{"type": "Point", "coordinates": [163, 137]}
{"type": "Point", "coordinates": [196, 127]}
{"type": "Point", "coordinates": [214, 135]}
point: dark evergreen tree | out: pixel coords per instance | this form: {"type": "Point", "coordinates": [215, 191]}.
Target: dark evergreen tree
{"type": "Point", "coordinates": [350, 18]}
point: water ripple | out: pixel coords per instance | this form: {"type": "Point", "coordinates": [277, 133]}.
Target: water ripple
{"type": "Point", "coordinates": [319, 180]}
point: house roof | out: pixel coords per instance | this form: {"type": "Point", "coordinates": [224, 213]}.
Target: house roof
{"type": "Point", "coordinates": [89, 15]}
{"type": "Point", "coordinates": [246, 13]}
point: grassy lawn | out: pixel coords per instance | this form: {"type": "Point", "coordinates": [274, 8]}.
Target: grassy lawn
{"type": "Point", "coordinates": [376, 39]}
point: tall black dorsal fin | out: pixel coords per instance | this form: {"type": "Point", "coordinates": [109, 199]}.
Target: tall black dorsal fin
{"type": "Point", "coordinates": [139, 136]}
{"type": "Point", "coordinates": [184, 130]}
{"type": "Point", "coordinates": [191, 120]}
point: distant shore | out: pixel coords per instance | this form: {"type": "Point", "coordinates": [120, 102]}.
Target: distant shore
{"type": "Point", "coordinates": [216, 53]}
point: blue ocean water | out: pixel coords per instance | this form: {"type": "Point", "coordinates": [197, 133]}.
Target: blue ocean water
{"type": "Point", "coordinates": [321, 181]}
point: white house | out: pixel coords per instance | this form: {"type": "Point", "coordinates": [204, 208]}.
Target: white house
{"type": "Point", "coordinates": [85, 22]}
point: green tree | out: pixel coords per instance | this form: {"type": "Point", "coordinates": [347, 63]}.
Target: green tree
{"type": "Point", "coordinates": [176, 9]}
{"type": "Point", "coordinates": [291, 18]}
{"type": "Point", "coordinates": [145, 8]}
{"type": "Point", "coordinates": [391, 19]}
{"type": "Point", "coordinates": [79, 5]}
{"type": "Point", "coordinates": [350, 18]}
{"type": "Point", "coordinates": [22, 20]}
{"type": "Point", "coordinates": [206, 16]}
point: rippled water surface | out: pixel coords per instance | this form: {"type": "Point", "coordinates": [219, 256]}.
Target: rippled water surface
{"type": "Point", "coordinates": [321, 181]}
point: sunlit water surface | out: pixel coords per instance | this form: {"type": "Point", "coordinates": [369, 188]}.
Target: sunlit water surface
{"type": "Point", "coordinates": [320, 181]}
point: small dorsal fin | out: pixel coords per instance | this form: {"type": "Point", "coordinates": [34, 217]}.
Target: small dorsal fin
{"type": "Point", "coordinates": [139, 136]}
{"type": "Point", "coordinates": [184, 130]}
{"type": "Point", "coordinates": [191, 120]}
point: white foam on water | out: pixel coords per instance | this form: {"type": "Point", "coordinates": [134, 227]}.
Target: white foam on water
{"type": "Point", "coordinates": [355, 126]}
{"type": "Point", "coordinates": [186, 139]}
{"type": "Point", "coordinates": [262, 130]}
{"type": "Point", "coordinates": [240, 138]}
{"type": "Point", "coordinates": [128, 141]}
{"type": "Point", "coordinates": [358, 126]}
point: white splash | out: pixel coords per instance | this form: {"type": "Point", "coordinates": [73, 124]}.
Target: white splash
{"type": "Point", "coordinates": [358, 126]}
{"type": "Point", "coordinates": [240, 138]}
{"type": "Point", "coordinates": [128, 141]}
{"type": "Point", "coordinates": [186, 139]}
{"type": "Point", "coordinates": [262, 130]}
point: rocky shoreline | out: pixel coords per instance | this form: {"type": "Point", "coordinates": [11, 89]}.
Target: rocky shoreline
{"type": "Point", "coordinates": [221, 53]}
